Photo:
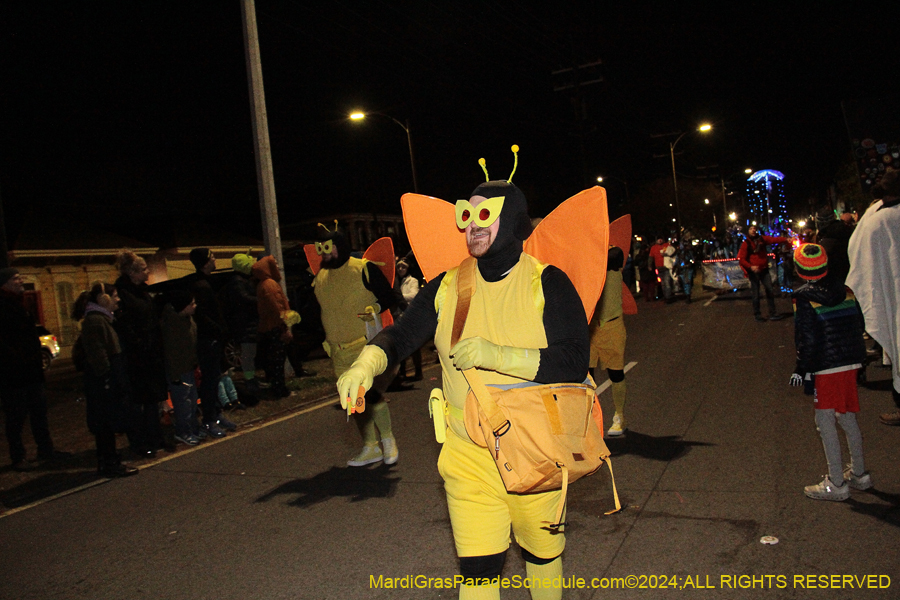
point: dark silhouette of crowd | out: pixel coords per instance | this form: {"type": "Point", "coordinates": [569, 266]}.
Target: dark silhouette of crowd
{"type": "Point", "coordinates": [142, 348]}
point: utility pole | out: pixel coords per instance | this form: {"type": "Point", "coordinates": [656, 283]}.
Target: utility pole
{"type": "Point", "coordinates": [264, 177]}
{"type": "Point", "coordinates": [4, 248]}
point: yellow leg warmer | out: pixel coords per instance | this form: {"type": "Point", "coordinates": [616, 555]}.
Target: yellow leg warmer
{"type": "Point", "coordinates": [480, 592]}
{"type": "Point", "coordinates": [381, 414]}
{"type": "Point", "coordinates": [618, 394]}
{"type": "Point", "coordinates": [366, 424]}
{"type": "Point", "coordinates": [552, 572]}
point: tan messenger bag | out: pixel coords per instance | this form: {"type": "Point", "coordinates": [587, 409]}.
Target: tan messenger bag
{"type": "Point", "coordinates": [541, 437]}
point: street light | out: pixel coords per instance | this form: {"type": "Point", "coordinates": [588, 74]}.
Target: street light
{"type": "Point", "coordinates": [627, 195]}
{"type": "Point", "coordinates": [703, 128]}
{"type": "Point", "coordinates": [359, 116]}
{"type": "Point", "coordinates": [722, 181]}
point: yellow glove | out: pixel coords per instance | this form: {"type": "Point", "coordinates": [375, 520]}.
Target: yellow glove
{"type": "Point", "coordinates": [371, 361]}
{"type": "Point", "coordinates": [290, 317]}
{"type": "Point", "coordinates": [371, 311]}
{"type": "Point", "coordinates": [478, 352]}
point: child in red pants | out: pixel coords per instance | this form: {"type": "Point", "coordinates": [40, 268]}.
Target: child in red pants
{"type": "Point", "coordinates": [828, 334]}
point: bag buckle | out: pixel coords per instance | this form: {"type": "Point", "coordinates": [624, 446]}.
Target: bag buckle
{"type": "Point", "coordinates": [500, 431]}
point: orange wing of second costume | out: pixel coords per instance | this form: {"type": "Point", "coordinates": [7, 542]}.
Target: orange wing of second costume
{"type": "Point", "coordinates": [574, 237]}
{"type": "Point", "coordinates": [381, 252]}
{"type": "Point", "coordinates": [620, 236]}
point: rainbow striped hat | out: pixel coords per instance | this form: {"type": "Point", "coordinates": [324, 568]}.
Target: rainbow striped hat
{"type": "Point", "coordinates": [811, 262]}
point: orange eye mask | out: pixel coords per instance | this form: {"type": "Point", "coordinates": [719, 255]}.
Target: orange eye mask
{"type": "Point", "coordinates": [484, 216]}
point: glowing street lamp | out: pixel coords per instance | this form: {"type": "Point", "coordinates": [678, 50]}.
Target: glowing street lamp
{"type": "Point", "coordinates": [703, 128]}
{"type": "Point", "coordinates": [625, 183]}
{"type": "Point", "coordinates": [359, 116]}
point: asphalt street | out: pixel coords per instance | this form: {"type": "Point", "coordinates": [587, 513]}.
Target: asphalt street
{"type": "Point", "coordinates": [718, 450]}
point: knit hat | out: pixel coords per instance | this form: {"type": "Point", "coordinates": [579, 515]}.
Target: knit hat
{"type": "Point", "coordinates": [179, 299]}
{"type": "Point", "coordinates": [811, 262]}
{"type": "Point", "coordinates": [7, 274]}
{"type": "Point", "coordinates": [199, 257]}
{"type": "Point", "coordinates": [242, 263]}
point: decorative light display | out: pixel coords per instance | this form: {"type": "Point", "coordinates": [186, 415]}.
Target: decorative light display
{"type": "Point", "coordinates": [765, 192]}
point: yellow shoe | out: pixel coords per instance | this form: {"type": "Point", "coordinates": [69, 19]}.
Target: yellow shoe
{"type": "Point", "coordinates": [369, 455]}
{"type": "Point", "coordinates": [391, 454]}
{"type": "Point", "coordinates": [618, 426]}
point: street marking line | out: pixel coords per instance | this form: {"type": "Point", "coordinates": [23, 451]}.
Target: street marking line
{"type": "Point", "coordinates": [600, 388]}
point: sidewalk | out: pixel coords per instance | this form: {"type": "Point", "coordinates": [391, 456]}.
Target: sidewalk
{"type": "Point", "coordinates": [69, 430]}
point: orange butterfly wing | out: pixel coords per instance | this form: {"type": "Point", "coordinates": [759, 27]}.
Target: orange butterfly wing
{"type": "Point", "coordinates": [620, 236]}
{"type": "Point", "coordinates": [575, 238]}
{"type": "Point", "coordinates": [381, 252]}
{"type": "Point", "coordinates": [312, 257]}
{"type": "Point", "coordinates": [433, 236]}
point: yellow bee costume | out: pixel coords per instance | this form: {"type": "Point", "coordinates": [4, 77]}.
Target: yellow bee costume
{"type": "Point", "coordinates": [526, 323]}
{"type": "Point", "coordinates": [347, 289]}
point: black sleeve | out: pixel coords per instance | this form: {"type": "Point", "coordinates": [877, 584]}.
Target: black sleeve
{"type": "Point", "coordinates": [375, 281]}
{"type": "Point", "coordinates": [615, 259]}
{"type": "Point", "coordinates": [566, 357]}
{"type": "Point", "coordinates": [804, 337]}
{"type": "Point", "coordinates": [414, 328]}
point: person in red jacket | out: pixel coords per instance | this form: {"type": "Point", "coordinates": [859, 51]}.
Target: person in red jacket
{"type": "Point", "coordinates": [658, 254]}
{"type": "Point", "coordinates": [754, 259]}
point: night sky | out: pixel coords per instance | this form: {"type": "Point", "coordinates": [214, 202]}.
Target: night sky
{"type": "Point", "coordinates": [129, 112]}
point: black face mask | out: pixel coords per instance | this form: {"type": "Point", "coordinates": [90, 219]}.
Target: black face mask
{"type": "Point", "coordinates": [515, 227]}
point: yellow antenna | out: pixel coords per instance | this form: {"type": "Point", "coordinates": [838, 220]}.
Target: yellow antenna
{"type": "Point", "coordinates": [515, 149]}
{"type": "Point", "coordinates": [483, 164]}
{"type": "Point", "coordinates": [326, 229]}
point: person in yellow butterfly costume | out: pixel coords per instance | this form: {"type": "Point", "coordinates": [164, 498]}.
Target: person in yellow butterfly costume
{"type": "Point", "coordinates": [350, 291]}
{"type": "Point", "coordinates": [526, 323]}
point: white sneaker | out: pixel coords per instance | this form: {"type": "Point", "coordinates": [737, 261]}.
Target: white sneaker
{"type": "Point", "coordinates": [618, 426]}
{"type": "Point", "coordinates": [391, 454]}
{"type": "Point", "coordinates": [368, 456]}
{"type": "Point", "coordinates": [827, 491]}
{"type": "Point", "coordinates": [861, 482]}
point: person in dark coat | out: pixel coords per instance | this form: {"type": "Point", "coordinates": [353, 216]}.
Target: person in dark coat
{"type": "Point", "coordinates": [22, 375]}
{"type": "Point", "coordinates": [239, 305]}
{"type": "Point", "coordinates": [106, 386]}
{"type": "Point", "coordinates": [835, 238]}
{"type": "Point", "coordinates": [211, 332]}
{"type": "Point", "coordinates": [137, 325]}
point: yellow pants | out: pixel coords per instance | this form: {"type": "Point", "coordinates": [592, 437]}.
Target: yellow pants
{"type": "Point", "coordinates": [608, 345]}
{"type": "Point", "coordinates": [482, 511]}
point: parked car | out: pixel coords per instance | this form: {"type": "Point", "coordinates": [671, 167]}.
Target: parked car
{"type": "Point", "coordinates": [49, 346]}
